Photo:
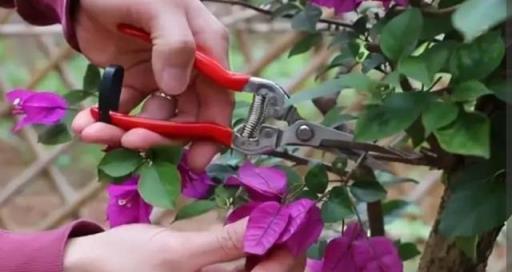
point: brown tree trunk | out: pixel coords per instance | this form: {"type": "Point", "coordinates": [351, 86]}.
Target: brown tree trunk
{"type": "Point", "coordinates": [442, 255]}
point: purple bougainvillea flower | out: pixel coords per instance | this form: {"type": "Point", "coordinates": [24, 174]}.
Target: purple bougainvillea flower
{"type": "Point", "coordinates": [241, 212]}
{"type": "Point", "coordinates": [306, 228]}
{"type": "Point", "coordinates": [339, 6]}
{"type": "Point", "coordinates": [266, 223]}
{"type": "Point", "coordinates": [43, 108]}
{"type": "Point", "coordinates": [298, 211]}
{"type": "Point", "coordinates": [313, 265]}
{"type": "Point", "coordinates": [377, 254]}
{"type": "Point", "coordinates": [262, 183]}
{"type": "Point", "coordinates": [125, 205]}
{"type": "Point", "coordinates": [194, 185]}
{"type": "Point", "coordinates": [354, 252]}
{"type": "Point", "coordinates": [338, 254]}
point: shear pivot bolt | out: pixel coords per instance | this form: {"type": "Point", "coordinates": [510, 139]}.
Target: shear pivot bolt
{"type": "Point", "coordinates": [304, 133]}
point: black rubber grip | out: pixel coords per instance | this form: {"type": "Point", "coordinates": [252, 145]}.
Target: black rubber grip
{"type": "Point", "coordinates": [110, 91]}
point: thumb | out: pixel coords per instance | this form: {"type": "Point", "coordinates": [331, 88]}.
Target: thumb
{"type": "Point", "coordinates": [218, 246]}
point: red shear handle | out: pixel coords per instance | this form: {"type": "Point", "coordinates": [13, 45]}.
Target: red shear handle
{"type": "Point", "coordinates": [204, 64]}
{"type": "Point", "coordinates": [192, 131]}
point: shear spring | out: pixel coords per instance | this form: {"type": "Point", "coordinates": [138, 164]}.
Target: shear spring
{"type": "Point", "coordinates": [256, 112]}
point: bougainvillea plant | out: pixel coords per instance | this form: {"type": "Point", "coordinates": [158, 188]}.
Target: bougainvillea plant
{"type": "Point", "coordinates": [429, 74]}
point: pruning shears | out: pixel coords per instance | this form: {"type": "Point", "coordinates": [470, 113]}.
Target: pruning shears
{"type": "Point", "coordinates": [258, 135]}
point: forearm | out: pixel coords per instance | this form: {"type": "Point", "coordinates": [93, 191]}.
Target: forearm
{"type": "Point", "coordinates": [39, 251]}
{"type": "Point", "coordinates": [47, 12]}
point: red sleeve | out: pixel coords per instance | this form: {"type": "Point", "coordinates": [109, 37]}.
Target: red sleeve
{"type": "Point", "coordinates": [39, 251]}
{"type": "Point", "coordinates": [47, 12]}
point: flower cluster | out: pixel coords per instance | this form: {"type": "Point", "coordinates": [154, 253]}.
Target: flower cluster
{"type": "Point", "coordinates": [126, 205]}
{"type": "Point", "coordinates": [354, 251]}
{"type": "Point", "coordinates": [273, 219]}
{"type": "Point", "coordinates": [342, 6]}
{"type": "Point", "coordinates": [296, 225]}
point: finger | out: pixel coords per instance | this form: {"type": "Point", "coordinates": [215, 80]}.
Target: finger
{"type": "Point", "coordinates": [173, 48]}
{"type": "Point", "coordinates": [130, 98]}
{"type": "Point", "coordinates": [215, 104]}
{"type": "Point", "coordinates": [207, 248]}
{"type": "Point", "coordinates": [159, 108]}
{"type": "Point", "coordinates": [102, 133]}
{"type": "Point", "coordinates": [281, 260]}
{"type": "Point", "coordinates": [82, 120]}
{"type": "Point", "coordinates": [142, 139]}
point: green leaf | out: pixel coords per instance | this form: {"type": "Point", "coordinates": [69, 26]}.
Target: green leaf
{"type": "Point", "coordinates": [437, 56]}
{"type": "Point", "coordinates": [354, 80]}
{"type": "Point", "coordinates": [416, 133]}
{"type": "Point", "coordinates": [316, 179]}
{"type": "Point", "coordinates": [438, 114]}
{"type": "Point", "coordinates": [220, 171]}
{"type": "Point", "coordinates": [54, 135]}
{"type": "Point", "coordinates": [468, 135]}
{"type": "Point", "coordinates": [393, 206]}
{"type": "Point", "coordinates": [334, 117]}
{"type": "Point", "coordinates": [307, 19]}
{"type": "Point", "coordinates": [74, 97]}
{"type": "Point", "coordinates": [502, 89]}
{"type": "Point", "coordinates": [120, 162]}
{"type": "Point", "coordinates": [105, 178]}
{"type": "Point", "coordinates": [478, 59]}
{"type": "Point", "coordinates": [416, 68]}
{"type": "Point", "coordinates": [342, 59]}
{"type": "Point", "coordinates": [435, 25]}
{"type": "Point", "coordinates": [160, 184]}
{"type": "Point", "coordinates": [387, 178]}
{"type": "Point", "coordinates": [408, 251]}
{"type": "Point", "coordinates": [397, 112]}
{"type": "Point", "coordinates": [305, 44]}
{"type": "Point", "coordinates": [469, 91]}
{"type": "Point", "coordinates": [170, 154]}
{"type": "Point", "coordinates": [285, 9]}
{"type": "Point", "coordinates": [293, 178]}
{"type": "Point", "coordinates": [474, 207]}
{"type": "Point", "coordinates": [306, 193]}
{"type": "Point", "coordinates": [317, 250]}
{"type": "Point", "coordinates": [367, 191]}
{"type": "Point", "coordinates": [338, 205]}
{"type": "Point", "coordinates": [372, 61]}
{"type": "Point", "coordinates": [92, 78]}
{"type": "Point", "coordinates": [194, 209]}
{"type": "Point", "coordinates": [400, 35]}
{"type": "Point", "coordinates": [424, 67]}
{"type": "Point", "coordinates": [224, 195]}
{"type": "Point", "coordinates": [474, 17]}
{"type": "Point", "coordinates": [467, 245]}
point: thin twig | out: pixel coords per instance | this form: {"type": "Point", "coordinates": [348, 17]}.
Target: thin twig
{"type": "Point", "coordinates": [271, 13]}
{"type": "Point", "coordinates": [298, 159]}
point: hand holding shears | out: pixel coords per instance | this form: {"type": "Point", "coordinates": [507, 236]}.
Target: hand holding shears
{"type": "Point", "coordinates": [258, 135]}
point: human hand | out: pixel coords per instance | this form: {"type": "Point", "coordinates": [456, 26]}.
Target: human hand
{"type": "Point", "coordinates": [177, 27]}
{"type": "Point", "coordinates": [150, 248]}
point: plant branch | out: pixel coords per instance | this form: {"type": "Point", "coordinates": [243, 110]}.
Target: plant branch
{"type": "Point", "coordinates": [298, 159]}
{"type": "Point", "coordinates": [270, 12]}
